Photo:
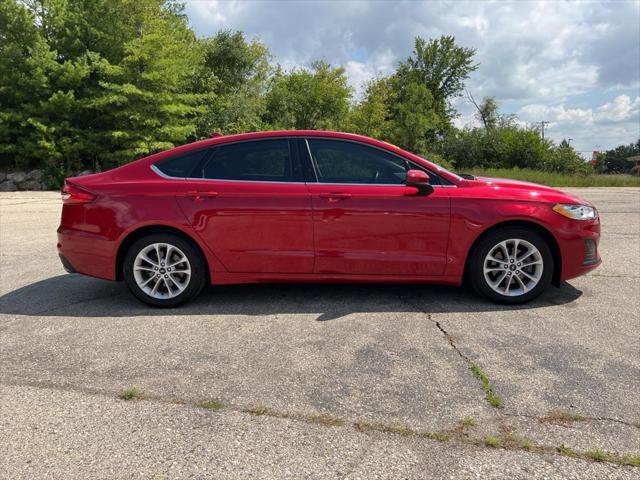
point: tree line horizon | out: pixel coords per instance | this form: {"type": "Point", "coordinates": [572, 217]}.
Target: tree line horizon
{"type": "Point", "coordinates": [92, 84]}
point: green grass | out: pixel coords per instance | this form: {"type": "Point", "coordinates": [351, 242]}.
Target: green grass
{"type": "Point", "coordinates": [552, 179]}
{"type": "Point", "coordinates": [211, 405]}
{"type": "Point", "coordinates": [493, 442]}
{"type": "Point", "coordinates": [467, 422]}
{"type": "Point", "coordinates": [493, 399]}
{"type": "Point", "coordinates": [128, 394]}
{"type": "Point", "coordinates": [597, 455]}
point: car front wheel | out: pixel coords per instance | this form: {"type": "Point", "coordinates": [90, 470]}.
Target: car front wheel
{"type": "Point", "coordinates": [511, 265]}
{"type": "Point", "coordinates": [164, 270]}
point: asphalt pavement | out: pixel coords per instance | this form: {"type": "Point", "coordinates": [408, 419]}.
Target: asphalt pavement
{"type": "Point", "coordinates": [316, 381]}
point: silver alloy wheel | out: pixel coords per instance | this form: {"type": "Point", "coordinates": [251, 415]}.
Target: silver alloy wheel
{"type": "Point", "coordinates": [513, 267]}
{"type": "Point", "coordinates": [162, 270]}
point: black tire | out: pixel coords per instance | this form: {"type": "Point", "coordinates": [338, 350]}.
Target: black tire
{"type": "Point", "coordinates": [195, 284]}
{"type": "Point", "coordinates": [487, 243]}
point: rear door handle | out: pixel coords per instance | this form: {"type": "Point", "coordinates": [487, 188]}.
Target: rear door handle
{"type": "Point", "coordinates": [335, 196]}
{"type": "Point", "coordinates": [198, 196]}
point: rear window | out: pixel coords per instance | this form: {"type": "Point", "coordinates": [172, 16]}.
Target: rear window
{"type": "Point", "coordinates": [181, 166]}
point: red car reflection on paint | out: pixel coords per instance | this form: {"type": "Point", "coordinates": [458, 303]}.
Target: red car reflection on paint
{"type": "Point", "coordinates": [312, 206]}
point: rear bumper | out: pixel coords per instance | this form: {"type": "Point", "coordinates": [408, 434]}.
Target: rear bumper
{"type": "Point", "coordinates": [66, 264]}
{"type": "Point", "coordinates": [86, 253]}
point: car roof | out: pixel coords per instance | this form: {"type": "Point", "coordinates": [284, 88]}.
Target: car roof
{"type": "Point", "coordinates": [220, 139]}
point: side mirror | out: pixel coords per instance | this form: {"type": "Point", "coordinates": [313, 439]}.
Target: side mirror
{"type": "Point", "coordinates": [420, 180]}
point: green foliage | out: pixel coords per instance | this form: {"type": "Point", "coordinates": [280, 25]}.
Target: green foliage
{"type": "Point", "coordinates": [236, 72]}
{"type": "Point", "coordinates": [442, 67]}
{"type": "Point", "coordinates": [213, 405]}
{"type": "Point", "coordinates": [556, 179]}
{"type": "Point", "coordinates": [616, 160]}
{"type": "Point", "coordinates": [411, 108]}
{"type": "Point", "coordinates": [372, 116]}
{"type": "Point", "coordinates": [128, 394]}
{"type": "Point", "coordinates": [502, 143]}
{"type": "Point", "coordinates": [92, 84]}
{"type": "Point", "coordinates": [308, 99]}
{"type": "Point", "coordinates": [564, 158]}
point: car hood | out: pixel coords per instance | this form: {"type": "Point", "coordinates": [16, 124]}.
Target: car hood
{"type": "Point", "coordinates": [522, 190]}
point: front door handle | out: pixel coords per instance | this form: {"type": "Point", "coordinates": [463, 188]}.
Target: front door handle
{"type": "Point", "coordinates": [335, 196]}
{"type": "Point", "coordinates": [199, 196]}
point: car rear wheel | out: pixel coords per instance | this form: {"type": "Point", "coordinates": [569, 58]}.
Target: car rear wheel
{"type": "Point", "coordinates": [164, 270]}
{"type": "Point", "coordinates": [511, 265]}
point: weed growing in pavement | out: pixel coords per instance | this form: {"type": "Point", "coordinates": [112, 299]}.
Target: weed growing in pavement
{"type": "Point", "coordinates": [493, 399]}
{"type": "Point", "coordinates": [129, 394]}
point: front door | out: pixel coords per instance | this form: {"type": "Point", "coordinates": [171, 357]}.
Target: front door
{"type": "Point", "coordinates": [252, 208]}
{"type": "Point", "coordinates": [366, 220]}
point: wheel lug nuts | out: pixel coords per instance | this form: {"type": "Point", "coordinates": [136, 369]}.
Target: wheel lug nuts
{"type": "Point", "coordinates": [511, 260]}
{"type": "Point", "coordinates": [519, 264]}
{"type": "Point", "coordinates": [162, 264]}
{"type": "Point", "coordinates": [166, 276]}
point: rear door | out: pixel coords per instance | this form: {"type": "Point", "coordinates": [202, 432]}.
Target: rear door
{"type": "Point", "coordinates": [249, 203]}
{"type": "Point", "coordinates": [366, 221]}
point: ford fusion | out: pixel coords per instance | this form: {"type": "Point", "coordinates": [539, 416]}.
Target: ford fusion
{"type": "Point", "coordinates": [312, 206]}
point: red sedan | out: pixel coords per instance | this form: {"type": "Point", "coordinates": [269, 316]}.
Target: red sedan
{"type": "Point", "coordinates": [311, 206]}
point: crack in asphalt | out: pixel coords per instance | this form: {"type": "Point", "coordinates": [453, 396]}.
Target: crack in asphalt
{"type": "Point", "coordinates": [470, 362]}
{"type": "Point", "coordinates": [583, 418]}
{"type": "Point", "coordinates": [455, 436]}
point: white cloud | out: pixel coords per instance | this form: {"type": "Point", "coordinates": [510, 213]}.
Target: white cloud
{"type": "Point", "coordinates": [612, 123]}
{"type": "Point", "coordinates": [556, 114]}
{"type": "Point", "coordinates": [621, 109]}
{"type": "Point", "coordinates": [556, 61]}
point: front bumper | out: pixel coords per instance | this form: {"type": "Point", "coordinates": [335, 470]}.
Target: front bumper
{"type": "Point", "coordinates": [579, 243]}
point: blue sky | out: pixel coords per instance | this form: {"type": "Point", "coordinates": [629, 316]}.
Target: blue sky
{"type": "Point", "coordinates": [574, 64]}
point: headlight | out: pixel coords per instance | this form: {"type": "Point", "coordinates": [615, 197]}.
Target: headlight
{"type": "Point", "coordinates": [576, 212]}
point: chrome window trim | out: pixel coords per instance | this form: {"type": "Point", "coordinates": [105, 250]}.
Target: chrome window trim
{"type": "Point", "coordinates": [164, 175]}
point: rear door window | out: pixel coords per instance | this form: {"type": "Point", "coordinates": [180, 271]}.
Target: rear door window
{"type": "Point", "coordinates": [256, 161]}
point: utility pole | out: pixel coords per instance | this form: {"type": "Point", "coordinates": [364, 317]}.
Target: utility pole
{"type": "Point", "coordinates": [543, 124]}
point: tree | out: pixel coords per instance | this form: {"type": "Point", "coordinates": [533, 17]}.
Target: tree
{"type": "Point", "coordinates": [414, 115]}
{"type": "Point", "coordinates": [564, 158]}
{"type": "Point", "coordinates": [145, 101]}
{"type": "Point", "coordinates": [372, 115]}
{"type": "Point", "coordinates": [442, 67]}
{"type": "Point", "coordinates": [308, 99]}
{"type": "Point", "coordinates": [237, 71]}
{"type": "Point", "coordinates": [92, 83]}
{"type": "Point", "coordinates": [487, 111]}
{"type": "Point", "coordinates": [615, 160]}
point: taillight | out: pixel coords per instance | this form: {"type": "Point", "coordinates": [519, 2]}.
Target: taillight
{"type": "Point", "coordinates": [71, 194]}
